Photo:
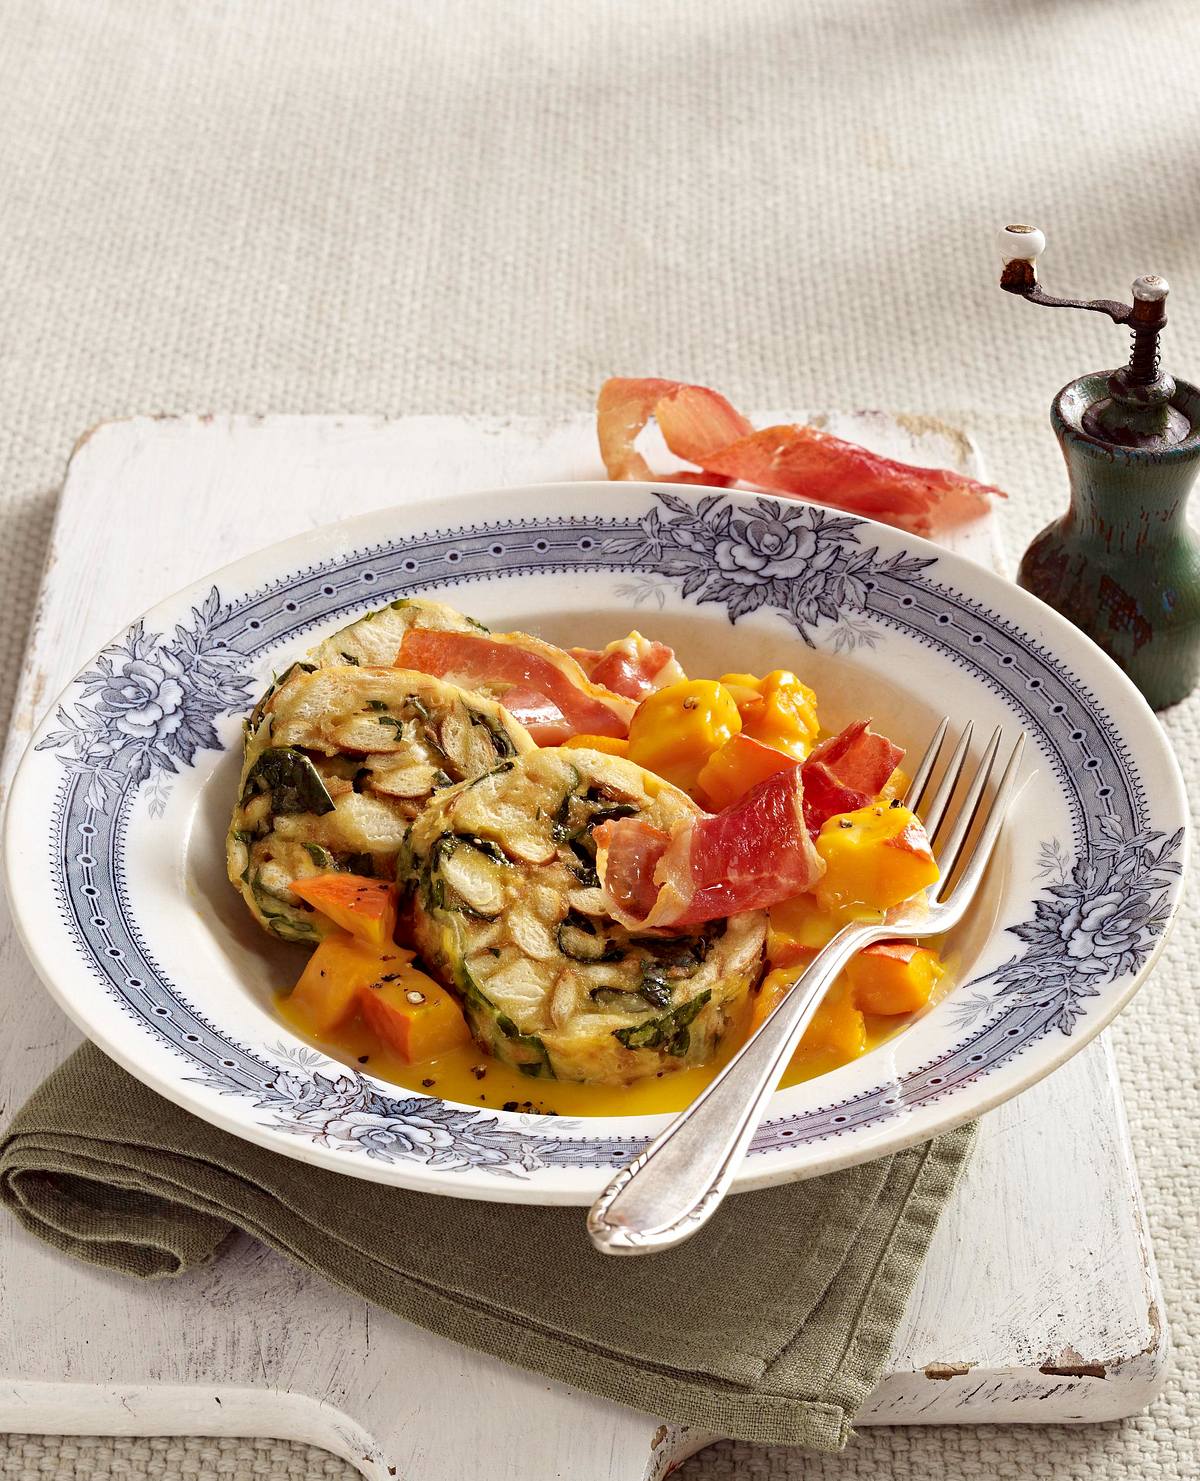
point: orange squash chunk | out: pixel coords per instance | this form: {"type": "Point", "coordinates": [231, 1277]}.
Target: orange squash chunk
{"type": "Point", "coordinates": [775, 986]}
{"type": "Point", "coordinates": [893, 977]}
{"type": "Point", "coordinates": [736, 768]}
{"type": "Point", "coordinates": [875, 857]}
{"type": "Point", "coordinates": [413, 1016]}
{"type": "Point", "coordinates": [341, 967]}
{"type": "Point", "coordinates": [837, 1031]}
{"type": "Point", "coordinates": [798, 924]}
{"type": "Point", "coordinates": [364, 907]}
{"type": "Point", "coordinates": [778, 710]}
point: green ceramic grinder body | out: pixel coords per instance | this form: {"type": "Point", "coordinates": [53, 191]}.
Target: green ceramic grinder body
{"type": "Point", "coordinates": [1123, 563]}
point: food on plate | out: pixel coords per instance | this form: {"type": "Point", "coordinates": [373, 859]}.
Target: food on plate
{"type": "Point", "coordinates": [567, 880]}
{"type": "Point", "coordinates": [375, 639]}
{"type": "Point", "coordinates": [408, 1011]}
{"type": "Point", "coordinates": [893, 977]}
{"type": "Point", "coordinates": [777, 710]}
{"type": "Point", "coordinates": [754, 854]}
{"type": "Point", "coordinates": [737, 767]}
{"type": "Point", "coordinates": [540, 685]}
{"type": "Point", "coordinates": [675, 730]}
{"type": "Point", "coordinates": [633, 666]}
{"type": "Point", "coordinates": [413, 1016]}
{"type": "Point", "coordinates": [357, 904]}
{"type": "Point", "coordinates": [701, 427]}
{"type": "Point", "coordinates": [877, 856]}
{"type": "Point", "coordinates": [338, 762]}
{"type": "Point", "coordinates": [838, 1030]}
{"type": "Point", "coordinates": [509, 908]}
{"type": "Point", "coordinates": [848, 771]}
{"type": "Point", "coordinates": [337, 973]}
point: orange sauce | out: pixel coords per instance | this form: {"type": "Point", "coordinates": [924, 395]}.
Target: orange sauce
{"type": "Point", "coordinates": [455, 1076]}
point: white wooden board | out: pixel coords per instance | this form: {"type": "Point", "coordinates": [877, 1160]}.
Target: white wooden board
{"type": "Point", "coordinates": [1038, 1302]}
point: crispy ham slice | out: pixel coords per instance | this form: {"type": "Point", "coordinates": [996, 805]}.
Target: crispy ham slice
{"type": "Point", "coordinates": [540, 685]}
{"type": "Point", "coordinates": [807, 463]}
{"type": "Point", "coordinates": [751, 855]}
{"type": "Point", "coordinates": [634, 666]}
{"type": "Point", "coordinates": [631, 850]}
{"type": "Point", "coordinates": [747, 857]}
{"type": "Point", "coordinates": [702, 427]}
{"type": "Point", "coordinates": [846, 772]}
{"type": "Point", "coordinates": [694, 421]}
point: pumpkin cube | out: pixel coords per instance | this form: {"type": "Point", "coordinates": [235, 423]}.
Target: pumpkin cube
{"type": "Point", "coordinates": [838, 1027]}
{"type": "Point", "coordinates": [413, 1016]}
{"type": "Point", "coordinates": [327, 993]}
{"type": "Point", "coordinates": [893, 977]}
{"type": "Point", "coordinates": [837, 1032]}
{"type": "Point", "coordinates": [875, 857]}
{"type": "Point", "coordinates": [676, 729]}
{"type": "Point", "coordinates": [364, 907]}
{"type": "Point", "coordinates": [798, 924]}
{"type": "Point", "coordinates": [778, 710]}
{"type": "Point", "coordinates": [774, 987]}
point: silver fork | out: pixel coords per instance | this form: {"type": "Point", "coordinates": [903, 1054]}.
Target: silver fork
{"type": "Point", "coordinates": [674, 1187]}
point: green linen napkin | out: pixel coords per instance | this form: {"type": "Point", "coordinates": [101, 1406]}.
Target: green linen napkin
{"type": "Point", "coordinates": [771, 1325]}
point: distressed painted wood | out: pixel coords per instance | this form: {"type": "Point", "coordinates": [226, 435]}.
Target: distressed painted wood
{"type": "Point", "coordinates": [1039, 1300]}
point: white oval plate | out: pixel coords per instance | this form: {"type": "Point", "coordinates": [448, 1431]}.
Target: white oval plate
{"type": "Point", "coordinates": [117, 817]}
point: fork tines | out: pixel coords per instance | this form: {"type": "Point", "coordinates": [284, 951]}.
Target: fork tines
{"type": "Point", "coordinates": [948, 849]}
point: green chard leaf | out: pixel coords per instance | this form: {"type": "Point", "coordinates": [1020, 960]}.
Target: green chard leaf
{"type": "Point", "coordinates": [655, 986]}
{"type": "Point", "coordinates": [292, 780]}
{"type": "Point", "coordinates": [281, 919]}
{"type": "Point", "coordinates": [580, 812]}
{"type": "Point", "coordinates": [584, 865]}
{"type": "Point", "coordinates": [530, 1052]}
{"type": "Point", "coordinates": [534, 1060]}
{"type": "Point", "coordinates": [670, 1033]}
{"type": "Point", "coordinates": [579, 940]}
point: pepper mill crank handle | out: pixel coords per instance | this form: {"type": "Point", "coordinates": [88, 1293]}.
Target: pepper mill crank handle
{"type": "Point", "coordinates": [1020, 249]}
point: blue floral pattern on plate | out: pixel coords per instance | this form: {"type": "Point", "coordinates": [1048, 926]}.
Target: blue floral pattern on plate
{"type": "Point", "coordinates": [1098, 920]}
{"type": "Point", "coordinates": [150, 703]}
{"type": "Point", "coordinates": [803, 562]}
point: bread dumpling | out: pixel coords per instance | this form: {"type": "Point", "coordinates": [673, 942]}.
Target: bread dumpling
{"type": "Point", "coordinates": [338, 762]}
{"type": "Point", "coordinates": [507, 909]}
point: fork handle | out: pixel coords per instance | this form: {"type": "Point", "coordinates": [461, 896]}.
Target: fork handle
{"type": "Point", "coordinates": [675, 1186]}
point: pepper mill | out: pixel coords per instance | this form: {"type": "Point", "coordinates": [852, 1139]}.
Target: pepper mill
{"type": "Point", "coordinates": [1122, 563]}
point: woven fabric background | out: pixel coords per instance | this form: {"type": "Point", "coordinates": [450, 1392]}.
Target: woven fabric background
{"type": "Point", "coordinates": [284, 205]}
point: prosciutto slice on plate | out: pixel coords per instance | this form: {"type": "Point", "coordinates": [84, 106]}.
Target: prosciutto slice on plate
{"type": "Point", "coordinates": [634, 666]}
{"type": "Point", "coordinates": [846, 772]}
{"type": "Point", "coordinates": [747, 857]}
{"type": "Point", "coordinates": [540, 685]}
{"type": "Point", "coordinates": [751, 855]}
{"type": "Point", "coordinates": [630, 851]}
